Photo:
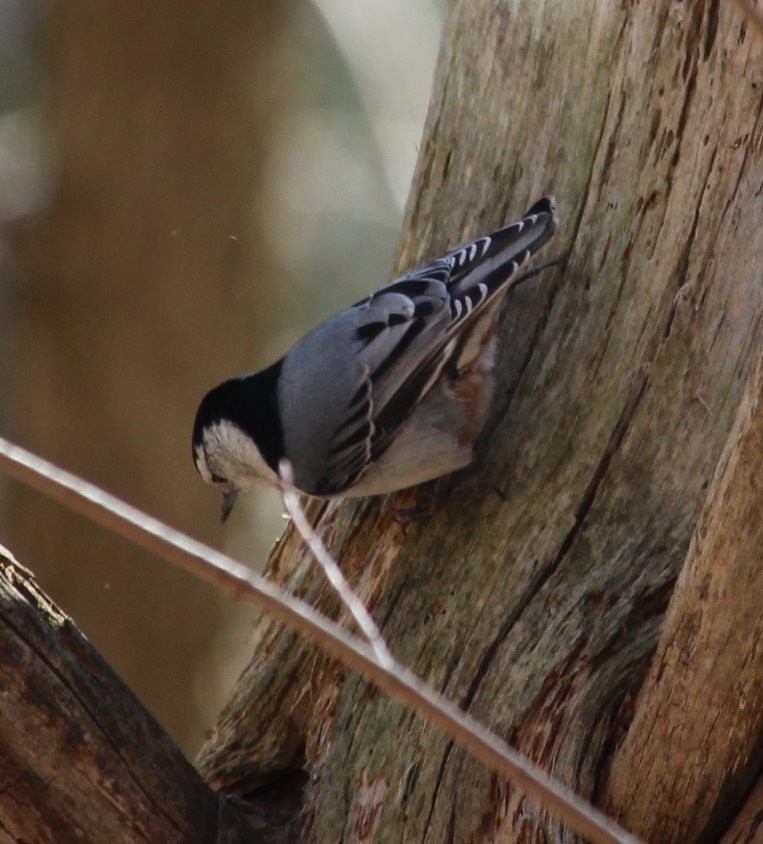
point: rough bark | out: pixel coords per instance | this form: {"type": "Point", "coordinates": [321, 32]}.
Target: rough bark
{"type": "Point", "coordinates": [538, 609]}
{"type": "Point", "coordinates": [697, 735]}
{"type": "Point", "coordinates": [85, 762]}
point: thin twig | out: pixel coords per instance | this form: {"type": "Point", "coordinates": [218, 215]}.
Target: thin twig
{"type": "Point", "coordinates": [751, 14]}
{"type": "Point", "coordinates": [239, 582]}
{"type": "Point", "coordinates": [331, 567]}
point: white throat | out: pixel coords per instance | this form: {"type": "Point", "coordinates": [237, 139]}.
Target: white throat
{"type": "Point", "coordinates": [230, 453]}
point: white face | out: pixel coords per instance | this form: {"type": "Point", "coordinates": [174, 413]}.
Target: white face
{"type": "Point", "coordinates": [229, 459]}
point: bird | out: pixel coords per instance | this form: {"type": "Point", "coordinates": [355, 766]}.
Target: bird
{"type": "Point", "coordinates": [388, 394]}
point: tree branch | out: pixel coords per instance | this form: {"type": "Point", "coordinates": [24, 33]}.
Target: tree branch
{"type": "Point", "coordinates": [331, 568]}
{"type": "Point", "coordinates": [83, 760]}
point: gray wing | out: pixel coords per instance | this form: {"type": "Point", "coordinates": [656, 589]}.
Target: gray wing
{"type": "Point", "coordinates": [402, 331]}
{"type": "Point", "coordinates": [408, 332]}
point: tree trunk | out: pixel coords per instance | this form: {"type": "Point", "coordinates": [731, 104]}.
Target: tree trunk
{"type": "Point", "coordinates": [698, 729]}
{"type": "Point", "coordinates": [84, 761]}
{"type": "Point", "coordinates": [534, 596]}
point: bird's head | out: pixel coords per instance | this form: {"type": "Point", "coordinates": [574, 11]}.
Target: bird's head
{"type": "Point", "coordinates": [225, 439]}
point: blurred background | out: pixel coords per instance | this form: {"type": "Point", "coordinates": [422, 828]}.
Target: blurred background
{"type": "Point", "coordinates": [185, 189]}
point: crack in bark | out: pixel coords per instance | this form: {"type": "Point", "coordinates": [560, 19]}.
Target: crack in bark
{"type": "Point", "coordinates": [650, 605]}
{"type": "Point", "coordinates": [438, 783]}
{"type": "Point", "coordinates": [586, 503]}
{"type": "Point", "coordinates": [589, 179]}
{"type": "Point", "coordinates": [721, 830]}
{"type": "Point", "coordinates": [499, 414]}
{"type": "Point", "coordinates": [451, 834]}
{"type": "Point", "coordinates": [682, 266]}
{"type": "Point", "coordinates": [713, 17]}
{"type": "Point", "coordinates": [616, 440]}
{"type": "Point", "coordinates": [610, 152]}
{"type": "Point", "coordinates": [744, 171]}
{"type": "Point", "coordinates": [4, 829]}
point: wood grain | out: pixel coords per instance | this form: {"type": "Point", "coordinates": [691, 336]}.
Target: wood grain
{"type": "Point", "coordinates": [84, 761]}
{"type": "Point", "coordinates": [696, 739]}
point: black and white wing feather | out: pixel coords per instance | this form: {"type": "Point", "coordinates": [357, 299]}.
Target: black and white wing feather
{"type": "Point", "coordinates": [406, 333]}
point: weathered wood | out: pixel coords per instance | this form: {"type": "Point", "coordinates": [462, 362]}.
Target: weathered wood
{"type": "Point", "coordinates": [538, 609]}
{"type": "Point", "coordinates": [695, 739]}
{"type": "Point", "coordinates": [80, 759]}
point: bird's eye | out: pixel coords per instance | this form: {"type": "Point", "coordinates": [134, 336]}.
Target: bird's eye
{"type": "Point", "coordinates": [217, 479]}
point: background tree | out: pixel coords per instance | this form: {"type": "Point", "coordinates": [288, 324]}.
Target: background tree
{"type": "Point", "coordinates": [158, 134]}
{"type": "Point", "coordinates": [186, 232]}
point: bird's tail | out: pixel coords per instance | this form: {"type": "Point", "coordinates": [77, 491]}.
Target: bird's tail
{"type": "Point", "coordinates": [485, 267]}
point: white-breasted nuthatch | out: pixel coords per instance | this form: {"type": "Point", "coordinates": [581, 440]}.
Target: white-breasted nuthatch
{"type": "Point", "coordinates": [388, 394]}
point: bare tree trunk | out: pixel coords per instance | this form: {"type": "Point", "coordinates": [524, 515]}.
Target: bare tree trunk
{"type": "Point", "coordinates": [83, 761]}
{"type": "Point", "coordinates": [698, 727]}
{"type": "Point", "coordinates": [538, 609]}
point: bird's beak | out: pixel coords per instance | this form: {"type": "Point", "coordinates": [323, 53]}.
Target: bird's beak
{"type": "Point", "coordinates": [229, 499]}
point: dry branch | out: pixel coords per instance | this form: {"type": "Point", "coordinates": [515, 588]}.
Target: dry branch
{"type": "Point", "coordinates": [331, 568]}
{"type": "Point", "coordinates": [80, 758]}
